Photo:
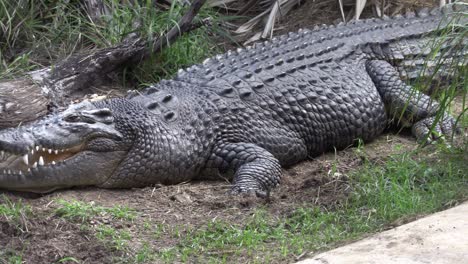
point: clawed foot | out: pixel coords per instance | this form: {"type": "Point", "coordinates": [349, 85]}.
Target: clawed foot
{"type": "Point", "coordinates": [426, 132]}
{"type": "Point", "coordinates": [244, 191]}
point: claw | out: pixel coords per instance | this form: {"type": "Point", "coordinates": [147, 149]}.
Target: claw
{"type": "Point", "coordinates": [426, 133]}
{"type": "Point", "coordinates": [236, 190]}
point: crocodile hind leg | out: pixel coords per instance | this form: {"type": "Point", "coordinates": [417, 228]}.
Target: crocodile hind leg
{"type": "Point", "coordinates": [408, 105]}
{"type": "Point", "coordinates": [255, 169]}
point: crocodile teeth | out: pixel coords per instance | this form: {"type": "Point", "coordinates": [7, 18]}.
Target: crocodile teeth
{"type": "Point", "coordinates": [41, 161]}
{"type": "Point", "coordinates": [53, 162]}
{"type": "Point", "coordinates": [2, 154]}
{"type": "Point", "coordinates": [56, 152]}
{"type": "Point", "coordinates": [50, 151]}
{"type": "Point", "coordinates": [37, 148]}
{"type": "Point", "coordinates": [35, 165]}
{"type": "Point", "coordinates": [25, 159]}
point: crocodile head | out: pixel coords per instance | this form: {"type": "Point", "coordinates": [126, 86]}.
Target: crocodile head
{"type": "Point", "coordinates": [78, 146]}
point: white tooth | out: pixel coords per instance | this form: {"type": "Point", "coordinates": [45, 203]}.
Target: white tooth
{"type": "Point", "coordinates": [37, 148]}
{"type": "Point", "coordinates": [29, 170]}
{"type": "Point", "coordinates": [44, 149]}
{"type": "Point", "coordinates": [2, 153]}
{"type": "Point", "coordinates": [21, 172]}
{"type": "Point", "coordinates": [32, 151]}
{"type": "Point", "coordinates": [50, 151]}
{"type": "Point", "coordinates": [35, 165]}
{"type": "Point", "coordinates": [56, 152]}
{"type": "Point", "coordinates": [9, 171]}
{"type": "Point", "coordinates": [25, 159]}
{"type": "Point", "coordinates": [53, 162]}
{"type": "Point", "coordinates": [41, 161]}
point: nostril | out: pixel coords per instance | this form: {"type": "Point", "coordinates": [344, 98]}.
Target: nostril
{"type": "Point", "coordinates": [102, 113]}
{"type": "Point", "coordinates": [72, 118]}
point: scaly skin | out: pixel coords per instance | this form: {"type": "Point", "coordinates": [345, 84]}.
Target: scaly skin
{"type": "Point", "coordinates": [241, 115]}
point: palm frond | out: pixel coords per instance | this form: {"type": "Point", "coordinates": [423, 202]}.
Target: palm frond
{"type": "Point", "coordinates": [360, 4]}
{"type": "Point", "coordinates": [271, 11]}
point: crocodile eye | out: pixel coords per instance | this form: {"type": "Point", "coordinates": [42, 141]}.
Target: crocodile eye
{"type": "Point", "coordinates": [72, 118]}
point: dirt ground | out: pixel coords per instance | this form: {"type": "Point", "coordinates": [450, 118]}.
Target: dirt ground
{"type": "Point", "coordinates": [46, 238]}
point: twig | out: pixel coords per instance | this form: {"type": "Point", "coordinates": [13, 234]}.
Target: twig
{"type": "Point", "coordinates": [184, 25]}
{"type": "Point", "coordinates": [302, 255]}
{"type": "Point", "coordinates": [78, 73]}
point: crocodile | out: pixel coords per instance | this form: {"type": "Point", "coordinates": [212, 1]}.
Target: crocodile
{"type": "Point", "coordinates": [243, 115]}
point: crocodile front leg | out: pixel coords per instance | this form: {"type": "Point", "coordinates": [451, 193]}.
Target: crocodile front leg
{"type": "Point", "coordinates": [408, 105]}
{"type": "Point", "coordinates": [254, 169]}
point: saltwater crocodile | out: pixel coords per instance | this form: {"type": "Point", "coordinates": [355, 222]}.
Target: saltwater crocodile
{"type": "Point", "coordinates": [240, 115]}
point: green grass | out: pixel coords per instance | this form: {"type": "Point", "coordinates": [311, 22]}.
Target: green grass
{"type": "Point", "coordinates": [115, 239]}
{"type": "Point", "coordinates": [14, 259]}
{"type": "Point", "coordinates": [36, 34]}
{"type": "Point", "coordinates": [144, 255]}
{"type": "Point", "coordinates": [68, 260]}
{"type": "Point", "coordinates": [40, 33]}
{"type": "Point", "coordinates": [15, 213]}
{"type": "Point", "coordinates": [83, 212]}
{"type": "Point", "coordinates": [407, 185]}
{"type": "Point", "coordinates": [441, 63]}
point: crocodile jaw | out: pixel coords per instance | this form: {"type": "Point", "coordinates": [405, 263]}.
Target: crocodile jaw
{"type": "Point", "coordinates": [78, 146]}
{"type": "Point", "coordinates": [83, 168]}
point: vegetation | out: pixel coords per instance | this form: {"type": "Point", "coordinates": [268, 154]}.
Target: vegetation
{"type": "Point", "coordinates": [383, 192]}
{"type": "Point", "coordinates": [404, 186]}
{"type": "Point", "coordinates": [16, 214]}
{"type": "Point", "coordinates": [40, 33]}
{"type": "Point", "coordinates": [113, 238]}
{"type": "Point", "coordinates": [82, 212]}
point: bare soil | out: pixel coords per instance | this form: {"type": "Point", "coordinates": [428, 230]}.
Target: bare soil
{"type": "Point", "coordinates": [45, 237]}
